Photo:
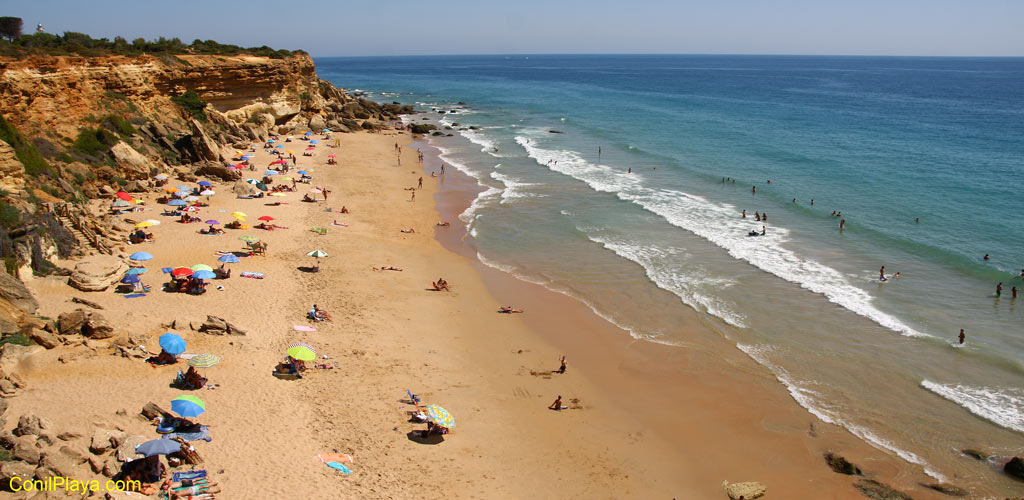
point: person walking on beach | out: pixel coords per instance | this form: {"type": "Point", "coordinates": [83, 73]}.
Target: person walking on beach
{"type": "Point", "coordinates": [881, 274]}
{"type": "Point", "coordinates": [413, 196]}
{"type": "Point", "coordinates": [421, 183]}
{"type": "Point", "coordinates": [325, 193]}
{"type": "Point", "coordinates": [557, 405]}
{"type": "Point", "coordinates": [564, 364]}
{"type": "Point", "coordinates": [999, 289]}
{"type": "Point", "coordinates": [442, 169]}
{"type": "Point", "coordinates": [961, 336]}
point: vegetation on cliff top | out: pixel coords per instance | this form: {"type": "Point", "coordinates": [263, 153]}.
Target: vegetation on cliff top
{"type": "Point", "coordinates": [80, 44]}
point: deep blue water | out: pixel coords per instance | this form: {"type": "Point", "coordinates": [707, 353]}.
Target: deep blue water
{"type": "Point", "coordinates": [883, 140]}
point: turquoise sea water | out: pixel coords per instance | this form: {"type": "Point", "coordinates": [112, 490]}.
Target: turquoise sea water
{"type": "Point", "coordinates": [884, 141]}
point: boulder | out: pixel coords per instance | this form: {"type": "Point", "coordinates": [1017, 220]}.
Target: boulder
{"type": "Point", "coordinates": [219, 171]}
{"type": "Point", "coordinates": [3, 406]}
{"type": "Point", "coordinates": [1015, 467]}
{"type": "Point", "coordinates": [203, 148]}
{"type": "Point", "coordinates": [949, 489]}
{"type": "Point", "coordinates": [317, 123]}
{"type": "Point", "coordinates": [243, 188]}
{"type": "Point", "coordinates": [111, 467]}
{"type": "Point", "coordinates": [135, 187]}
{"type": "Point", "coordinates": [88, 323]}
{"type": "Point", "coordinates": [25, 450]}
{"type": "Point", "coordinates": [68, 436]}
{"type": "Point", "coordinates": [30, 425]}
{"type": "Point", "coordinates": [15, 292]}
{"type": "Point", "coordinates": [218, 326]}
{"type": "Point", "coordinates": [879, 491]}
{"type": "Point", "coordinates": [131, 164]}
{"type": "Point", "coordinates": [55, 464]}
{"type": "Point", "coordinates": [100, 442]}
{"type": "Point", "coordinates": [7, 440]}
{"type": "Point", "coordinates": [44, 338]}
{"type": "Point", "coordinates": [11, 470]}
{"type": "Point", "coordinates": [748, 490]}
{"type": "Point", "coordinates": [97, 273]}
{"type": "Point", "coordinates": [126, 450]}
{"type": "Point", "coordinates": [74, 456]}
{"type": "Point", "coordinates": [11, 355]}
{"type": "Point", "coordinates": [152, 411]}
{"type": "Point", "coordinates": [12, 171]}
{"type": "Point", "coordinates": [841, 465]}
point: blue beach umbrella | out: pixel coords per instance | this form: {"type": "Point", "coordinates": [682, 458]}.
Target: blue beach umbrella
{"type": "Point", "coordinates": [177, 203]}
{"type": "Point", "coordinates": [303, 172]}
{"type": "Point", "coordinates": [183, 187]}
{"type": "Point", "coordinates": [172, 343]}
{"type": "Point", "coordinates": [308, 133]}
{"type": "Point", "coordinates": [327, 130]}
{"type": "Point", "coordinates": [129, 279]}
{"type": "Point", "coordinates": [204, 183]}
{"type": "Point", "coordinates": [270, 172]}
{"type": "Point", "coordinates": [270, 140]}
{"type": "Point", "coordinates": [158, 447]}
{"type": "Point", "coordinates": [228, 259]}
{"type": "Point", "coordinates": [279, 146]}
{"type": "Point", "coordinates": [135, 271]}
{"type": "Point", "coordinates": [140, 256]}
{"type": "Point", "coordinates": [204, 275]}
{"type": "Point", "coordinates": [314, 141]}
{"type": "Point", "coordinates": [188, 406]}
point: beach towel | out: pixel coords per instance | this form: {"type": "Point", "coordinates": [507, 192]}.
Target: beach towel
{"type": "Point", "coordinates": [192, 474]}
{"type": "Point", "coordinates": [303, 328]}
{"type": "Point", "coordinates": [203, 434]}
{"type": "Point", "coordinates": [134, 295]}
{"type": "Point", "coordinates": [247, 274]}
{"type": "Point", "coordinates": [339, 467]}
{"type": "Point", "coordinates": [342, 224]}
{"type": "Point", "coordinates": [333, 460]}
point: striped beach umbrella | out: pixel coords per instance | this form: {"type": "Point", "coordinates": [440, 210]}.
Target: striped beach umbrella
{"type": "Point", "coordinates": [302, 351]}
{"type": "Point", "coordinates": [440, 417]}
{"type": "Point", "coordinates": [318, 254]}
{"type": "Point", "coordinates": [228, 259]}
{"type": "Point", "coordinates": [188, 406]}
{"type": "Point", "coordinates": [249, 238]}
{"type": "Point", "coordinates": [204, 360]}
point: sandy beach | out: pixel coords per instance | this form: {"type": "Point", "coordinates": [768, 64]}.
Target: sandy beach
{"type": "Point", "coordinates": [644, 420]}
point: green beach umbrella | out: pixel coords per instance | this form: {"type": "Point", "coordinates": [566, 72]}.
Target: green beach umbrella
{"type": "Point", "coordinates": [249, 239]}
{"type": "Point", "coordinates": [201, 267]}
{"type": "Point", "coordinates": [317, 253]}
{"type": "Point", "coordinates": [302, 351]}
{"type": "Point", "coordinates": [188, 406]}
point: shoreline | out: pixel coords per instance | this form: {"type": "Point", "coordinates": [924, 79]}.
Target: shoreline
{"type": "Point", "coordinates": [649, 364]}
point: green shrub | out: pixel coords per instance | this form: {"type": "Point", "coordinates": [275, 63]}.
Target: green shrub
{"type": "Point", "coordinates": [17, 338]}
{"type": "Point", "coordinates": [94, 142]}
{"type": "Point", "coordinates": [192, 104]}
{"type": "Point", "coordinates": [64, 157]}
{"type": "Point", "coordinates": [34, 162]}
{"type": "Point", "coordinates": [79, 178]}
{"type": "Point", "coordinates": [119, 125]}
{"type": "Point", "coordinates": [119, 180]}
{"type": "Point", "coordinates": [11, 266]}
{"type": "Point", "coordinates": [9, 216]}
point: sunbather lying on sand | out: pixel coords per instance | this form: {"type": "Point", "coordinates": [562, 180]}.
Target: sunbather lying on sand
{"type": "Point", "coordinates": [410, 230]}
{"type": "Point", "coordinates": [387, 268]}
{"type": "Point", "coordinates": [164, 358]}
{"type": "Point", "coordinates": [441, 284]}
{"type": "Point", "coordinates": [444, 223]}
{"type": "Point", "coordinates": [188, 489]}
{"type": "Point", "coordinates": [509, 309]}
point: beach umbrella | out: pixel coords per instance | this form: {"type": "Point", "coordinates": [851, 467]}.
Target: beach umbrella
{"type": "Point", "coordinates": [208, 193]}
{"type": "Point", "coordinates": [279, 162]}
{"type": "Point", "coordinates": [144, 224]}
{"type": "Point", "coordinates": [177, 203]}
{"type": "Point", "coordinates": [161, 446]}
{"type": "Point", "coordinates": [289, 151]}
{"type": "Point", "coordinates": [124, 196]}
{"type": "Point", "coordinates": [302, 351]}
{"type": "Point", "coordinates": [188, 406]}
{"type": "Point", "coordinates": [182, 272]}
{"type": "Point", "coordinates": [270, 172]}
{"type": "Point", "coordinates": [120, 204]}
{"type": "Point", "coordinates": [314, 141]}
{"type": "Point", "coordinates": [162, 177]}
{"type": "Point", "coordinates": [307, 133]}
{"type": "Point", "coordinates": [265, 218]}
{"type": "Point", "coordinates": [249, 238]}
{"type": "Point", "coordinates": [136, 271]}
{"type": "Point", "coordinates": [212, 222]}
{"type": "Point", "coordinates": [316, 191]}
{"type": "Point", "coordinates": [276, 194]}
{"type": "Point", "coordinates": [204, 360]}
{"type": "Point", "coordinates": [152, 221]}
{"type": "Point", "coordinates": [191, 209]}
{"type": "Point", "coordinates": [279, 146]}
{"type": "Point", "coordinates": [239, 215]}
{"type": "Point", "coordinates": [327, 130]}
{"type": "Point", "coordinates": [140, 256]}
{"type": "Point", "coordinates": [318, 254]}
{"type": "Point", "coordinates": [332, 155]}
{"type": "Point", "coordinates": [270, 140]}
{"type": "Point", "coordinates": [201, 267]}
{"type": "Point", "coordinates": [172, 343]}
{"type": "Point", "coordinates": [285, 178]}
{"type": "Point", "coordinates": [440, 417]}
{"type": "Point", "coordinates": [205, 183]}
{"type": "Point", "coordinates": [303, 172]}
{"type": "Point", "coordinates": [183, 187]}
{"type": "Point", "coordinates": [204, 275]}
{"type": "Point", "coordinates": [228, 259]}
{"type": "Point", "coordinates": [129, 279]}
{"type": "Point", "coordinates": [311, 148]}
{"type": "Point", "coordinates": [192, 198]}
{"type": "Point", "coordinates": [170, 189]}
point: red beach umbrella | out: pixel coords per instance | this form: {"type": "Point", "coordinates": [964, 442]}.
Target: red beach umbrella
{"type": "Point", "coordinates": [181, 272]}
{"type": "Point", "coordinates": [266, 218]}
{"type": "Point", "coordinates": [125, 196]}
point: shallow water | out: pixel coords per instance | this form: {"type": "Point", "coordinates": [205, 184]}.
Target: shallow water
{"type": "Point", "coordinates": [882, 140]}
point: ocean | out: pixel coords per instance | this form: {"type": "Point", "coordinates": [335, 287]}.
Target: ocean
{"type": "Point", "coordinates": [621, 181]}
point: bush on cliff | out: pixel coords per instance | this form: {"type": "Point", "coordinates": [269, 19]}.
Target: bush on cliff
{"type": "Point", "coordinates": [191, 103]}
{"type": "Point", "coordinates": [84, 45]}
{"type": "Point", "coordinates": [34, 162]}
{"type": "Point", "coordinates": [421, 128]}
{"type": "Point", "coordinates": [94, 143]}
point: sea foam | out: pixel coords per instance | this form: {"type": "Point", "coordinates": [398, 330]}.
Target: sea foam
{"type": "Point", "coordinates": [1001, 406]}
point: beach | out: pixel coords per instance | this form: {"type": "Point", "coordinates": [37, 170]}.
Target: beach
{"type": "Point", "coordinates": [643, 420]}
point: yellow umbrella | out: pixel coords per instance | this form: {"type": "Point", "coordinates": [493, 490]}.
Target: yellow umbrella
{"type": "Point", "coordinates": [289, 151]}
{"type": "Point", "coordinates": [284, 178]}
{"type": "Point", "coordinates": [239, 215]}
{"type": "Point", "coordinates": [144, 224]}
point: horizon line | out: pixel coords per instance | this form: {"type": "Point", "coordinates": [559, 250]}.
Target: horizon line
{"type": "Point", "coordinates": [702, 54]}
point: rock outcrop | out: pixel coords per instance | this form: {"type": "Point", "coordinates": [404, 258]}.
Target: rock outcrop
{"type": "Point", "coordinates": [131, 164]}
{"type": "Point", "coordinates": [218, 326]}
{"type": "Point", "coordinates": [1015, 467]}
{"type": "Point", "coordinates": [879, 491]}
{"type": "Point", "coordinates": [748, 490]}
{"type": "Point", "coordinates": [97, 273]}
{"type": "Point", "coordinates": [12, 172]}
{"type": "Point", "coordinates": [87, 323]}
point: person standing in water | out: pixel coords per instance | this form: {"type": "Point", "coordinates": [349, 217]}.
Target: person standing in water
{"type": "Point", "coordinates": [599, 153]}
{"type": "Point", "coordinates": [754, 190]}
{"type": "Point", "coordinates": [999, 289]}
{"type": "Point", "coordinates": [881, 274]}
{"type": "Point", "coordinates": [986, 257]}
{"type": "Point", "coordinates": [961, 336]}
{"type": "Point", "coordinates": [842, 222]}
{"type": "Point", "coordinates": [744, 213]}
{"type": "Point", "coordinates": [764, 230]}
{"type": "Point", "coordinates": [1013, 292]}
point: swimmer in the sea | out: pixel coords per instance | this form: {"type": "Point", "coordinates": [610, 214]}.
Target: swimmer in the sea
{"type": "Point", "coordinates": [961, 336]}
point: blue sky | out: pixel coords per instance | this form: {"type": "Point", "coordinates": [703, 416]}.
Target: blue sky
{"type": "Point", "coordinates": [401, 27]}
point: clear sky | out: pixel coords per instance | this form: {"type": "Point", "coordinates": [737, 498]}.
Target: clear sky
{"type": "Point", "coordinates": [402, 27]}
